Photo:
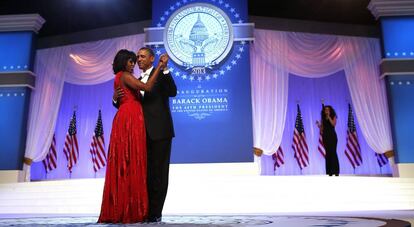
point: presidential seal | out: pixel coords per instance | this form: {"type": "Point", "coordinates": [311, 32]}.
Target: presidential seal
{"type": "Point", "coordinates": [198, 36]}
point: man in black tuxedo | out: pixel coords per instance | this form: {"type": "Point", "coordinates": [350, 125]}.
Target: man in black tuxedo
{"type": "Point", "coordinates": [160, 131]}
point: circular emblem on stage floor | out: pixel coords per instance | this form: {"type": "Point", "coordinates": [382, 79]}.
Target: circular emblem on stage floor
{"type": "Point", "coordinates": [198, 35]}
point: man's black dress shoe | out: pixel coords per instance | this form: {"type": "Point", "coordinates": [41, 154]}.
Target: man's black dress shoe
{"type": "Point", "coordinates": [154, 219]}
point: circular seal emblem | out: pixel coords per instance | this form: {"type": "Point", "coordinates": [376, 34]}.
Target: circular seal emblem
{"type": "Point", "coordinates": [198, 35]}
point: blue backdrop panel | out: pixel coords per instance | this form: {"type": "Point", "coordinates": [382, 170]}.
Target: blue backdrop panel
{"type": "Point", "coordinates": [398, 37]}
{"type": "Point", "coordinates": [14, 108]}
{"type": "Point", "coordinates": [401, 98]}
{"type": "Point", "coordinates": [212, 110]}
{"type": "Point", "coordinates": [15, 51]}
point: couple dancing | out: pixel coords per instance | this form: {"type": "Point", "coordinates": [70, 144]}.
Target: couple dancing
{"type": "Point", "coordinates": [136, 178]}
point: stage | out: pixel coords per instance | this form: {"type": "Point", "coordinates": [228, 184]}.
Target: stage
{"type": "Point", "coordinates": [219, 220]}
{"type": "Point", "coordinates": [224, 195]}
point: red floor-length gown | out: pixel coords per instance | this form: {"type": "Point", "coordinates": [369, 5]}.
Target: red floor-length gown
{"type": "Point", "coordinates": [125, 198]}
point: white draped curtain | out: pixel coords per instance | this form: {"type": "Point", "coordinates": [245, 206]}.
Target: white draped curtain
{"type": "Point", "coordinates": [361, 63]}
{"type": "Point", "coordinates": [84, 64]}
{"type": "Point", "coordinates": [275, 54]}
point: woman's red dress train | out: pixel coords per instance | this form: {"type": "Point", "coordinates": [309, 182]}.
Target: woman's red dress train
{"type": "Point", "coordinates": [125, 197]}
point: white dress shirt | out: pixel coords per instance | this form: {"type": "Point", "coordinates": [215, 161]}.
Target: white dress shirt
{"type": "Point", "coordinates": [145, 77]}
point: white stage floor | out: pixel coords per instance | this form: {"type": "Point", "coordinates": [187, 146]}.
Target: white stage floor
{"type": "Point", "coordinates": [206, 190]}
{"type": "Point", "coordinates": [217, 221]}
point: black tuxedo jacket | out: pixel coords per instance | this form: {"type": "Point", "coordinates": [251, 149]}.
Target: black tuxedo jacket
{"type": "Point", "coordinates": [157, 114]}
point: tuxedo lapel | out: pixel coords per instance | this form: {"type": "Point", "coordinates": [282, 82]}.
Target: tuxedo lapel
{"type": "Point", "coordinates": [149, 76]}
{"type": "Point", "coordinates": [152, 72]}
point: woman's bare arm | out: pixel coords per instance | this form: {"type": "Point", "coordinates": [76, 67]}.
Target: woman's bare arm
{"type": "Point", "coordinates": [332, 121]}
{"type": "Point", "coordinates": [129, 80]}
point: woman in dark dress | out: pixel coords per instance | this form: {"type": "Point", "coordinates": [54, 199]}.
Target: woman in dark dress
{"type": "Point", "coordinates": [330, 140]}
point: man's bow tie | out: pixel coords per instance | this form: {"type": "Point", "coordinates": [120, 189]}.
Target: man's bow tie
{"type": "Point", "coordinates": [144, 74]}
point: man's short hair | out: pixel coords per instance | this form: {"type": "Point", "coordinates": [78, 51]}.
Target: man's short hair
{"type": "Point", "coordinates": [149, 50]}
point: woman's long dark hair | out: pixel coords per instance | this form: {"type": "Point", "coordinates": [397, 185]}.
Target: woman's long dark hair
{"type": "Point", "coordinates": [332, 115]}
{"type": "Point", "coordinates": [121, 60]}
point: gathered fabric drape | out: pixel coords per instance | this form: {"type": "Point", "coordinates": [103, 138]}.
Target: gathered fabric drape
{"type": "Point", "coordinates": [267, 59]}
{"type": "Point", "coordinates": [84, 64]}
{"type": "Point", "coordinates": [276, 54]}
{"type": "Point", "coordinates": [368, 92]}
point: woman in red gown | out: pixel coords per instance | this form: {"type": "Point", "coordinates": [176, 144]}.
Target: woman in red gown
{"type": "Point", "coordinates": [125, 198]}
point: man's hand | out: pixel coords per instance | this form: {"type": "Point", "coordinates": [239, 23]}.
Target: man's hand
{"type": "Point", "coordinates": [119, 93]}
{"type": "Point", "coordinates": [164, 61]}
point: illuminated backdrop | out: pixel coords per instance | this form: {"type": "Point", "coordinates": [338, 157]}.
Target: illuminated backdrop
{"type": "Point", "coordinates": [208, 42]}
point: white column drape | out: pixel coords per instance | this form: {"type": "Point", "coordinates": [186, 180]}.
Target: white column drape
{"type": "Point", "coordinates": [85, 64]}
{"type": "Point", "coordinates": [269, 90]}
{"type": "Point", "coordinates": [361, 64]}
{"type": "Point", "coordinates": [275, 54]}
{"type": "Point", "coordinates": [44, 104]}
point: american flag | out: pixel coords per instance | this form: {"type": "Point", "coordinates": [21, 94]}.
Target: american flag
{"type": "Point", "coordinates": [300, 147]}
{"type": "Point", "coordinates": [98, 146]}
{"type": "Point", "coordinates": [381, 159]}
{"type": "Point", "coordinates": [352, 150]}
{"type": "Point", "coordinates": [278, 158]}
{"type": "Point", "coordinates": [321, 147]}
{"type": "Point", "coordinates": [51, 158]}
{"type": "Point", "coordinates": [71, 149]}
